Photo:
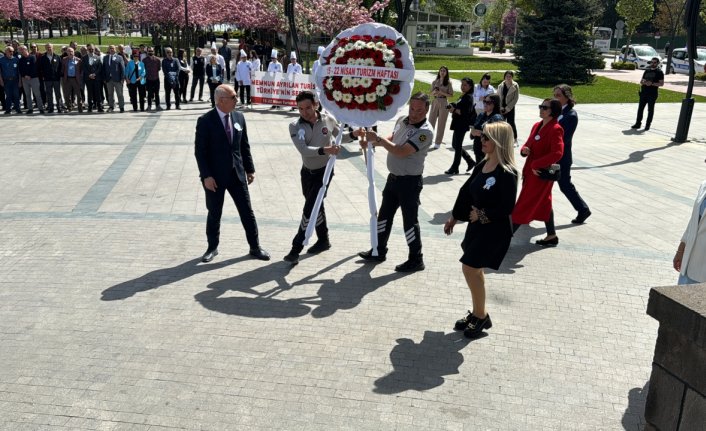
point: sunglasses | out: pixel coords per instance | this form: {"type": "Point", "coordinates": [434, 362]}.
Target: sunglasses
{"type": "Point", "coordinates": [484, 137]}
{"type": "Point", "coordinates": [544, 107]}
{"type": "Point", "coordinates": [488, 102]}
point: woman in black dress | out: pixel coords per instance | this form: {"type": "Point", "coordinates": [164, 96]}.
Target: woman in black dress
{"type": "Point", "coordinates": [463, 116]}
{"type": "Point", "coordinates": [486, 201]}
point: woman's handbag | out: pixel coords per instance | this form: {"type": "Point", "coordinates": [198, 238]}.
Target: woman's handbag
{"type": "Point", "coordinates": [552, 173]}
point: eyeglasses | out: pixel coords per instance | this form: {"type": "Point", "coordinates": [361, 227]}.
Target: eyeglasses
{"type": "Point", "coordinates": [484, 137]}
{"type": "Point", "coordinates": [488, 102]}
{"type": "Point", "coordinates": [544, 107]}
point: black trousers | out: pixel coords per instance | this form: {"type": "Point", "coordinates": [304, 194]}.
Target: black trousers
{"type": "Point", "coordinates": [153, 92]}
{"type": "Point", "coordinates": [311, 184]}
{"type": "Point", "coordinates": [133, 90]}
{"type": "Point", "coordinates": [478, 149]}
{"type": "Point", "coordinates": [200, 81]}
{"type": "Point", "coordinates": [244, 89]}
{"type": "Point", "coordinates": [510, 119]}
{"type": "Point", "coordinates": [401, 192]}
{"type": "Point", "coordinates": [212, 89]}
{"type": "Point", "coordinates": [183, 82]}
{"type": "Point", "coordinates": [648, 100]}
{"type": "Point", "coordinates": [94, 87]}
{"type": "Point", "coordinates": [459, 152]}
{"type": "Point", "coordinates": [168, 90]}
{"type": "Point", "coordinates": [567, 187]}
{"type": "Point", "coordinates": [214, 203]}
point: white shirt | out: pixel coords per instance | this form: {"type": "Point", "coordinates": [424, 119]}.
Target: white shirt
{"type": "Point", "coordinates": [242, 72]}
{"type": "Point", "coordinates": [256, 65]}
{"type": "Point", "coordinates": [295, 68]}
{"type": "Point", "coordinates": [274, 67]}
{"type": "Point", "coordinates": [479, 94]}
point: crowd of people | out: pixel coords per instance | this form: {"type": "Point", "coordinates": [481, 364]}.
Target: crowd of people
{"type": "Point", "coordinates": [84, 79]}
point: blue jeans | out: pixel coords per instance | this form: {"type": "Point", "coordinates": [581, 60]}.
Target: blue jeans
{"type": "Point", "coordinates": [12, 95]}
{"type": "Point", "coordinates": [683, 279]}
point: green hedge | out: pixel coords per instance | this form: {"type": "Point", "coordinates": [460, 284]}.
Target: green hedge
{"type": "Point", "coordinates": [700, 76]}
{"type": "Point", "coordinates": [623, 65]}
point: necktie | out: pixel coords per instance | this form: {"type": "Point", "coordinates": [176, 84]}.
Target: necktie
{"type": "Point", "coordinates": [228, 132]}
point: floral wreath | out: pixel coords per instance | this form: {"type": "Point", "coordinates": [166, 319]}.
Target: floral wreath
{"type": "Point", "coordinates": [364, 93]}
{"type": "Point", "coordinates": [366, 74]}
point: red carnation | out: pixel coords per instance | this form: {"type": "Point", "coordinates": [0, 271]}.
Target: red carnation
{"type": "Point", "coordinates": [363, 107]}
{"type": "Point", "coordinates": [337, 84]}
{"type": "Point", "coordinates": [329, 95]}
{"type": "Point", "coordinates": [387, 100]}
{"type": "Point", "coordinates": [356, 38]}
{"type": "Point", "coordinates": [393, 89]}
{"type": "Point", "coordinates": [367, 38]}
{"type": "Point", "coordinates": [398, 53]}
{"type": "Point", "coordinates": [389, 43]}
{"type": "Point", "coordinates": [398, 64]}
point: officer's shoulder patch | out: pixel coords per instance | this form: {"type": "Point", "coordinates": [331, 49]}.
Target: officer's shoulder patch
{"type": "Point", "coordinates": [422, 137]}
{"type": "Point", "coordinates": [324, 130]}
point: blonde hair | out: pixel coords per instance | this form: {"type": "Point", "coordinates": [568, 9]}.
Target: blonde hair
{"type": "Point", "coordinates": [501, 134]}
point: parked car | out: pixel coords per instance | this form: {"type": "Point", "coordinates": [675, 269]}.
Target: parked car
{"type": "Point", "coordinates": [680, 61]}
{"type": "Point", "coordinates": [641, 55]}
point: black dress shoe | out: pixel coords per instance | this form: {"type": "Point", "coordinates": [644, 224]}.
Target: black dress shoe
{"type": "Point", "coordinates": [292, 257]}
{"type": "Point", "coordinates": [319, 246]}
{"type": "Point", "coordinates": [548, 242]}
{"type": "Point", "coordinates": [581, 217]}
{"type": "Point", "coordinates": [259, 253]}
{"type": "Point", "coordinates": [463, 323]}
{"type": "Point", "coordinates": [368, 255]}
{"type": "Point", "coordinates": [412, 265]}
{"type": "Point", "coordinates": [209, 255]}
{"type": "Point", "coordinates": [647, 128]}
{"type": "Point", "coordinates": [451, 172]}
{"type": "Point", "coordinates": [635, 126]}
{"type": "Point", "coordinates": [476, 327]}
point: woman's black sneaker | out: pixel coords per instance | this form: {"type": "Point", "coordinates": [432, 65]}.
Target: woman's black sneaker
{"type": "Point", "coordinates": [476, 327]}
{"type": "Point", "coordinates": [462, 324]}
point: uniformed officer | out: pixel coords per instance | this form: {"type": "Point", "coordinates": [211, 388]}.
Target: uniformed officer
{"type": "Point", "coordinates": [406, 151]}
{"type": "Point", "coordinates": [313, 135]}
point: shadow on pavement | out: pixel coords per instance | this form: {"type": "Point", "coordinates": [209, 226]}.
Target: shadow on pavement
{"type": "Point", "coordinates": [162, 277]}
{"type": "Point", "coordinates": [422, 366]}
{"type": "Point", "coordinates": [634, 157]}
{"type": "Point", "coordinates": [332, 296]}
{"type": "Point", "coordinates": [634, 416]}
{"type": "Point", "coordinates": [519, 248]}
{"type": "Point", "coordinates": [440, 218]}
{"type": "Point", "coordinates": [437, 179]}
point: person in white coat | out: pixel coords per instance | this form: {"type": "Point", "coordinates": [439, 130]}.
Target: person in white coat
{"type": "Point", "coordinates": [317, 63]}
{"type": "Point", "coordinates": [293, 68]}
{"type": "Point", "coordinates": [243, 74]}
{"type": "Point", "coordinates": [274, 67]}
{"type": "Point", "coordinates": [690, 258]}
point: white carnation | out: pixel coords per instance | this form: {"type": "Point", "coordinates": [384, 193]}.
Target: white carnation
{"type": "Point", "coordinates": [348, 47]}
{"type": "Point", "coordinates": [347, 97]}
{"type": "Point", "coordinates": [340, 52]}
{"type": "Point", "coordinates": [347, 81]}
{"type": "Point", "coordinates": [337, 95]}
{"type": "Point", "coordinates": [390, 65]}
{"type": "Point", "coordinates": [386, 82]}
{"type": "Point", "coordinates": [380, 46]}
{"type": "Point", "coordinates": [360, 98]}
{"type": "Point", "coordinates": [366, 82]}
{"type": "Point", "coordinates": [371, 97]}
{"type": "Point", "coordinates": [329, 83]}
{"type": "Point", "coordinates": [380, 90]}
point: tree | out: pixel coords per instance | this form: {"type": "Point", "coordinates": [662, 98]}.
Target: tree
{"type": "Point", "coordinates": [493, 20]}
{"type": "Point", "coordinates": [669, 20]}
{"type": "Point", "coordinates": [554, 44]}
{"type": "Point", "coordinates": [635, 13]}
{"type": "Point", "coordinates": [459, 10]}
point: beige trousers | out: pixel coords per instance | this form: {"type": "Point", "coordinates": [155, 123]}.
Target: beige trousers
{"type": "Point", "coordinates": [438, 111]}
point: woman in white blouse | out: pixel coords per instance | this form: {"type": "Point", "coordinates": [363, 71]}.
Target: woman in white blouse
{"type": "Point", "coordinates": [482, 89]}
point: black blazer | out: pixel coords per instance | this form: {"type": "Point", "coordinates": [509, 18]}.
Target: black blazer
{"type": "Point", "coordinates": [467, 117]}
{"type": "Point", "coordinates": [215, 156]}
{"type": "Point", "coordinates": [96, 68]}
{"type": "Point", "coordinates": [50, 70]}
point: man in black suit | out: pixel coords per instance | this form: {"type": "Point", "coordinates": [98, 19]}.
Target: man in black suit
{"type": "Point", "coordinates": [225, 163]}
{"type": "Point", "coordinates": [114, 76]}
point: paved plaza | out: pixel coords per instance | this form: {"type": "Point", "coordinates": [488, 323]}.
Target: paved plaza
{"type": "Point", "coordinates": [108, 321]}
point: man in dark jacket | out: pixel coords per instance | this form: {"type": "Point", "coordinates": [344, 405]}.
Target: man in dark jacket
{"type": "Point", "coordinates": [170, 69]}
{"type": "Point", "coordinates": [50, 70]}
{"type": "Point", "coordinates": [93, 78]}
{"type": "Point", "coordinates": [29, 75]}
{"type": "Point", "coordinates": [198, 69]}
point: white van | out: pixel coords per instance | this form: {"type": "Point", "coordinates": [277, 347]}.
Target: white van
{"type": "Point", "coordinates": [641, 55]}
{"type": "Point", "coordinates": [680, 60]}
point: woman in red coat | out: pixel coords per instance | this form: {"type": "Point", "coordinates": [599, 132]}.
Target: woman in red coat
{"type": "Point", "coordinates": [543, 148]}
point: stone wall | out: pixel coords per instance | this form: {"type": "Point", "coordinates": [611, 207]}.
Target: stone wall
{"type": "Point", "coordinates": [677, 396]}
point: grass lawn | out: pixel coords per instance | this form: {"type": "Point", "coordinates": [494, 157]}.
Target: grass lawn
{"type": "Point", "coordinates": [84, 39]}
{"type": "Point", "coordinates": [603, 90]}
{"type": "Point", "coordinates": [454, 62]}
